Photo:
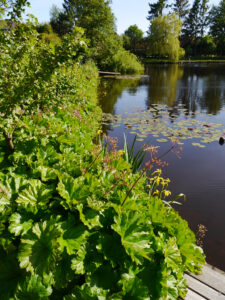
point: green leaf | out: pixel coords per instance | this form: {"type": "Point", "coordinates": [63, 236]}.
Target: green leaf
{"type": "Point", "coordinates": [33, 288]}
{"type": "Point", "coordinates": [74, 235]}
{"type": "Point", "coordinates": [135, 236]}
{"type": "Point", "coordinates": [19, 225]}
{"type": "Point", "coordinates": [72, 190]}
{"type": "Point", "coordinates": [35, 196]}
{"type": "Point", "coordinates": [173, 258]}
{"type": "Point", "coordinates": [39, 248]}
{"type": "Point", "coordinates": [10, 274]}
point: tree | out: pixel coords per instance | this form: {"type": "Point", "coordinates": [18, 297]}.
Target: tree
{"type": "Point", "coordinates": [156, 9]}
{"type": "Point", "coordinates": [203, 16]}
{"type": "Point", "coordinates": [95, 16]}
{"type": "Point", "coordinates": [191, 24]}
{"type": "Point", "coordinates": [181, 7]}
{"type": "Point", "coordinates": [164, 37]}
{"type": "Point", "coordinates": [60, 21]}
{"type": "Point", "coordinates": [134, 35]}
{"type": "Point", "coordinates": [217, 26]}
{"type": "Point", "coordinates": [196, 21]}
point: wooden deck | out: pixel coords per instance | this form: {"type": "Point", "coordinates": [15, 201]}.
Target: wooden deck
{"type": "Point", "coordinates": [210, 285]}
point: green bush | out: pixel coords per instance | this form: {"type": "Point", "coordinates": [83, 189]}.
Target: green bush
{"type": "Point", "coordinates": [126, 63]}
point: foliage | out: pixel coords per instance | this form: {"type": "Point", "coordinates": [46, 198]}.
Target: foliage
{"type": "Point", "coordinates": [196, 21]}
{"type": "Point", "coordinates": [156, 9]}
{"type": "Point", "coordinates": [129, 155]}
{"type": "Point", "coordinates": [181, 8]}
{"type": "Point", "coordinates": [164, 37]}
{"type": "Point", "coordinates": [135, 35]}
{"type": "Point", "coordinates": [47, 34]}
{"type": "Point", "coordinates": [217, 26]}
{"type": "Point", "coordinates": [29, 68]}
{"type": "Point", "coordinates": [68, 235]}
{"type": "Point", "coordinates": [98, 21]}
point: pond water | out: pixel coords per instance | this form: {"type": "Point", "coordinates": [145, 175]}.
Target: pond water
{"type": "Point", "coordinates": [185, 102]}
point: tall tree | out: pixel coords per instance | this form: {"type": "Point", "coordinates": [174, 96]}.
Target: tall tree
{"type": "Point", "coordinates": [134, 35]}
{"type": "Point", "coordinates": [156, 9]}
{"type": "Point", "coordinates": [95, 16]}
{"type": "Point", "coordinates": [197, 20]}
{"type": "Point", "coordinates": [181, 7]}
{"type": "Point", "coordinates": [217, 26]}
{"type": "Point", "coordinates": [191, 24]}
{"type": "Point", "coordinates": [203, 16]}
{"type": "Point", "coordinates": [164, 37]}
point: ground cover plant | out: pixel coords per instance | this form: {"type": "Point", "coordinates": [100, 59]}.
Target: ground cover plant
{"type": "Point", "coordinates": [75, 221]}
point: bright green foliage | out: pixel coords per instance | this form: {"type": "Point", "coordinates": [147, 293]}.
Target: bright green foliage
{"type": "Point", "coordinates": [64, 232]}
{"type": "Point", "coordinates": [164, 37]}
{"type": "Point", "coordinates": [29, 72]}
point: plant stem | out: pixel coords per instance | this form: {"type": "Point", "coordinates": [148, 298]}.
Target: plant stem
{"type": "Point", "coordinates": [9, 141]}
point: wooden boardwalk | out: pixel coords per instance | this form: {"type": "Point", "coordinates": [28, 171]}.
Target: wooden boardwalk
{"type": "Point", "coordinates": [210, 285]}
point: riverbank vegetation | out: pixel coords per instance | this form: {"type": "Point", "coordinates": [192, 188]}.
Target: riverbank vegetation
{"type": "Point", "coordinates": [75, 221]}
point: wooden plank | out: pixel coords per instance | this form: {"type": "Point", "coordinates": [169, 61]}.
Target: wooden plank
{"type": "Point", "coordinates": [193, 296]}
{"type": "Point", "coordinates": [108, 73]}
{"type": "Point", "coordinates": [202, 289]}
{"type": "Point", "coordinates": [212, 277]}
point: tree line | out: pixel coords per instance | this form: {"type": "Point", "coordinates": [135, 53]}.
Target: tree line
{"type": "Point", "coordinates": [179, 29]}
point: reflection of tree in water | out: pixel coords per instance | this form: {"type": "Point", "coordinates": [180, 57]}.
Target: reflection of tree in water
{"type": "Point", "coordinates": [197, 87]}
{"type": "Point", "coordinates": [110, 89]}
{"type": "Point", "coordinates": [163, 84]}
{"type": "Point", "coordinates": [202, 88]}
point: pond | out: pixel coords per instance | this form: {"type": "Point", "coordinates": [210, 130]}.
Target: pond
{"type": "Point", "coordinates": [185, 102]}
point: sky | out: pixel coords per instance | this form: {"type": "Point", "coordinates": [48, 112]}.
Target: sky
{"type": "Point", "coordinates": [127, 12]}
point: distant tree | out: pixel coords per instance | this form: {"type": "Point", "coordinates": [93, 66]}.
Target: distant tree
{"type": "Point", "coordinates": [156, 9]}
{"type": "Point", "coordinates": [205, 45]}
{"type": "Point", "coordinates": [217, 26]}
{"type": "Point", "coordinates": [203, 17]}
{"type": "Point", "coordinates": [181, 8]}
{"type": "Point", "coordinates": [60, 21]}
{"type": "Point", "coordinates": [164, 37]}
{"type": "Point", "coordinates": [95, 16]}
{"type": "Point", "coordinates": [197, 20]}
{"type": "Point", "coordinates": [134, 35]}
{"type": "Point", "coordinates": [191, 24]}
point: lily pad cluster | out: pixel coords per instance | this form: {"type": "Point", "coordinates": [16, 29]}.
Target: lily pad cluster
{"type": "Point", "coordinates": [165, 124]}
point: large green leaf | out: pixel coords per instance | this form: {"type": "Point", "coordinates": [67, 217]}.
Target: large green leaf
{"type": "Point", "coordinates": [39, 249]}
{"type": "Point", "coordinates": [74, 235]}
{"type": "Point", "coordinates": [10, 274]}
{"type": "Point", "coordinates": [33, 288]}
{"type": "Point", "coordinates": [35, 196]}
{"type": "Point", "coordinates": [72, 190]}
{"type": "Point", "coordinates": [135, 235]}
{"type": "Point", "coordinates": [19, 224]}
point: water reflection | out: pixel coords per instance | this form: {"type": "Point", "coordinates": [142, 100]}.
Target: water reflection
{"type": "Point", "coordinates": [111, 89]}
{"type": "Point", "coordinates": [198, 88]}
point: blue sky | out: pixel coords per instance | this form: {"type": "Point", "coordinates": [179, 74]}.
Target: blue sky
{"type": "Point", "coordinates": [127, 12]}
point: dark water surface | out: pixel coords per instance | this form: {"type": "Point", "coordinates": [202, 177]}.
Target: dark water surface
{"type": "Point", "coordinates": [200, 173]}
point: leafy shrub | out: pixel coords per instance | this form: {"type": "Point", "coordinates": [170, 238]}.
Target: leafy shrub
{"type": "Point", "coordinates": [126, 63]}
